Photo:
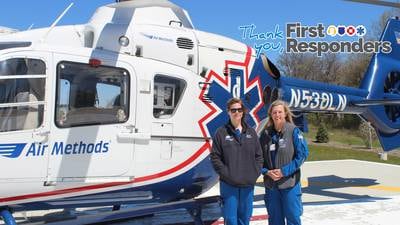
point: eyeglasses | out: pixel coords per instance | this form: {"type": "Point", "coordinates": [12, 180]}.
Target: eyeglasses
{"type": "Point", "coordinates": [240, 110]}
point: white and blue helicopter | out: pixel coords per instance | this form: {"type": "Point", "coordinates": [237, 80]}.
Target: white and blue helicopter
{"type": "Point", "coordinates": [121, 109]}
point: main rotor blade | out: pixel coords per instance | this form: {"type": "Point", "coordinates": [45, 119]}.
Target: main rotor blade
{"type": "Point", "coordinates": [377, 2]}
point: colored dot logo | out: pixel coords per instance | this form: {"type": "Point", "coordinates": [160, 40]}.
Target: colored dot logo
{"type": "Point", "coordinates": [361, 30]}
{"type": "Point", "coordinates": [342, 30]}
{"type": "Point", "coordinates": [350, 30]}
{"type": "Point", "coordinates": [331, 31]}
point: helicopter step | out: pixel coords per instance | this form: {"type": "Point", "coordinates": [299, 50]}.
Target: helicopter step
{"type": "Point", "coordinates": [193, 207]}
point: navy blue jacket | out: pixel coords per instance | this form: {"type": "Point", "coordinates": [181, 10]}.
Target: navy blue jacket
{"type": "Point", "coordinates": [237, 159]}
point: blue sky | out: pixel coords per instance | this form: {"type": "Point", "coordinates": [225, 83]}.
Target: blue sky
{"type": "Point", "coordinates": [222, 17]}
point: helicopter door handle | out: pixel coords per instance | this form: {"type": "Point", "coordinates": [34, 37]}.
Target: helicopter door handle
{"type": "Point", "coordinates": [40, 136]}
{"type": "Point", "coordinates": [43, 133]}
{"type": "Point", "coordinates": [130, 132]}
{"type": "Point", "coordinates": [134, 136]}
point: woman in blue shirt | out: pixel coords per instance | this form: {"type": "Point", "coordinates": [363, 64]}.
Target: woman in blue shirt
{"type": "Point", "coordinates": [284, 151]}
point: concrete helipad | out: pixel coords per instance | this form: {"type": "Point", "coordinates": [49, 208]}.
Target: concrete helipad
{"type": "Point", "coordinates": [344, 192]}
{"type": "Point", "coordinates": [334, 192]}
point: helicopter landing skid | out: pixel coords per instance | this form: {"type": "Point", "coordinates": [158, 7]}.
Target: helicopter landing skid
{"type": "Point", "coordinates": [193, 206]}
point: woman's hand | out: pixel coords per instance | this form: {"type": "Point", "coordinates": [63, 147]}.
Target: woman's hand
{"type": "Point", "coordinates": [275, 174]}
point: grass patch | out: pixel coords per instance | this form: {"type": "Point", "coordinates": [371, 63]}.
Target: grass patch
{"type": "Point", "coordinates": [343, 136]}
{"type": "Point", "coordinates": [318, 152]}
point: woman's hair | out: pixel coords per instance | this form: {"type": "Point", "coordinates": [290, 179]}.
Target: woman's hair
{"type": "Point", "coordinates": [289, 114]}
{"type": "Point", "coordinates": [234, 101]}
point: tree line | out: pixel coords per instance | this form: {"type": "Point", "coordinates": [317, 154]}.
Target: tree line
{"type": "Point", "coordinates": [340, 69]}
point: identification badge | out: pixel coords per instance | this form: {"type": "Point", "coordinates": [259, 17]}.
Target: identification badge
{"type": "Point", "coordinates": [282, 143]}
{"type": "Point", "coordinates": [272, 147]}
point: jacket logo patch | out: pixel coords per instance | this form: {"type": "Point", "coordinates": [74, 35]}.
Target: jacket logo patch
{"type": "Point", "coordinates": [249, 136]}
{"type": "Point", "coordinates": [228, 138]}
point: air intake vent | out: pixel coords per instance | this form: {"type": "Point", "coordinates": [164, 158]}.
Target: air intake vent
{"type": "Point", "coordinates": [184, 43]}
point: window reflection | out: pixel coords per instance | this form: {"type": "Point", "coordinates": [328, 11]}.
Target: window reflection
{"type": "Point", "coordinates": [167, 93]}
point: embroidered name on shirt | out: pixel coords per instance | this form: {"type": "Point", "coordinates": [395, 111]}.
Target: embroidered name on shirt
{"type": "Point", "coordinates": [282, 143]}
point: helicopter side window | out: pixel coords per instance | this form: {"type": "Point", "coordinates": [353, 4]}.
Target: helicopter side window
{"type": "Point", "coordinates": [21, 93]}
{"type": "Point", "coordinates": [167, 94]}
{"type": "Point", "coordinates": [89, 95]}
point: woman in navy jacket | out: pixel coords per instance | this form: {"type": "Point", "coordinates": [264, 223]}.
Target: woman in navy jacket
{"type": "Point", "coordinates": [237, 158]}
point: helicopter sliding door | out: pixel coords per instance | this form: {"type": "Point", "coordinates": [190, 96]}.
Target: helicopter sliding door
{"type": "Point", "coordinates": [23, 123]}
{"type": "Point", "coordinates": [92, 107]}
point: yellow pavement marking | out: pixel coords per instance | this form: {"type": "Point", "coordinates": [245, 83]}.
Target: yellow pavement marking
{"type": "Point", "coordinates": [304, 183]}
{"type": "Point", "coordinates": [382, 188]}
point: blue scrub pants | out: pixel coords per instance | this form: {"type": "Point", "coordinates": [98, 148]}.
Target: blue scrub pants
{"type": "Point", "coordinates": [237, 203]}
{"type": "Point", "coordinates": [284, 204]}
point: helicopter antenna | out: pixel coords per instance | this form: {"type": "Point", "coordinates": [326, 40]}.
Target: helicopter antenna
{"type": "Point", "coordinates": [56, 21]}
{"type": "Point", "coordinates": [377, 2]}
{"type": "Point", "coordinates": [30, 27]}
